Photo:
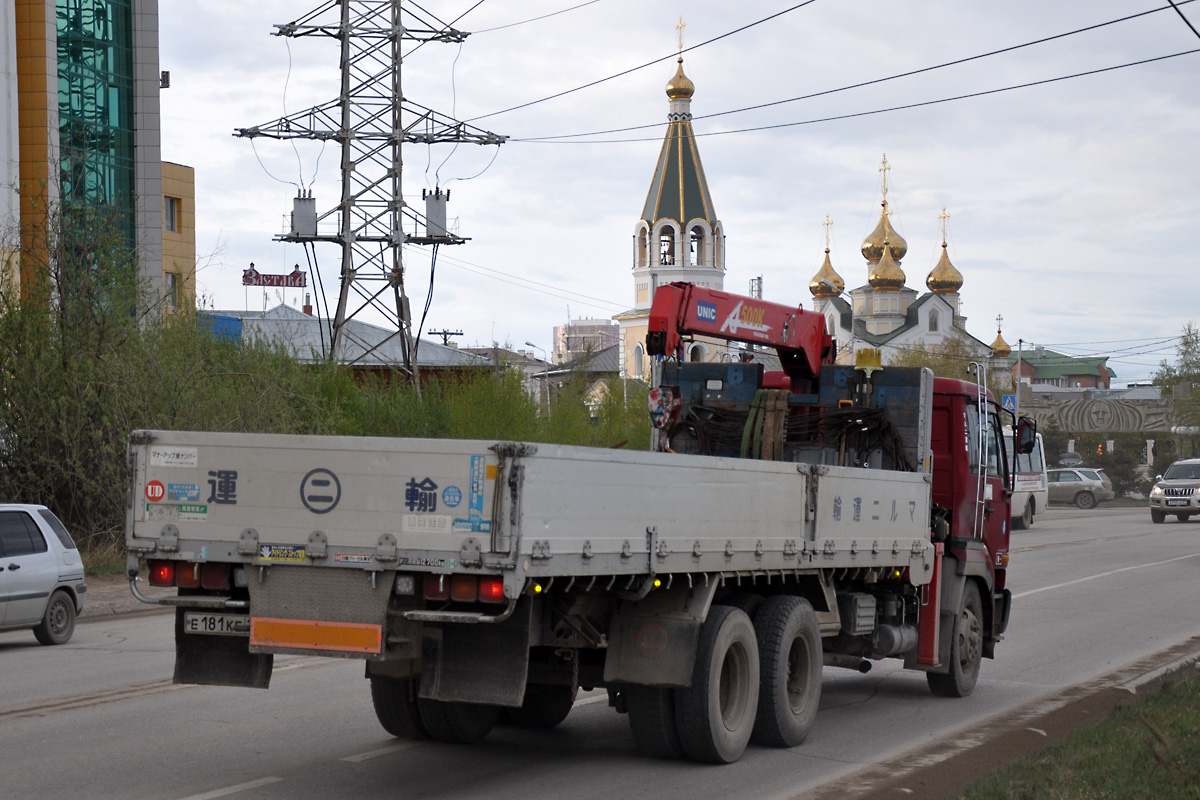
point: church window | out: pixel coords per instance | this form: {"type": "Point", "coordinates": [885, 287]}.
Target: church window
{"type": "Point", "coordinates": [642, 247]}
{"type": "Point", "coordinates": [638, 354]}
{"type": "Point", "coordinates": [696, 254]}
{"type": "Point", "coordinates": [666, 247]}
{"type": "Point", "coordinates": [696, 353]}
{"type": "Point", "coordinates": [933, 320]}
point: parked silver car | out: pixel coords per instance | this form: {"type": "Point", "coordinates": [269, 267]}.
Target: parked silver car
{"type": "Point", "coordinates": [1083, 487]}
{"type": "Point", "coordinates": [41, 574]}
{"type": "Point", "coordinates": [1177, 491]}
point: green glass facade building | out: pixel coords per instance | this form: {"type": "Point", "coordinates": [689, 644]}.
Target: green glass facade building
{"type": "Point", "coordinates": [95, 107]}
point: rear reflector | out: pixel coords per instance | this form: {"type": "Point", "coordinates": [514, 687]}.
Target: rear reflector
{"type": "Point", "coordinates": [303, 634]}
{"type": "Point", "coordinates": [491, 589]}
{"type": "Point", "coordinates": [187, 575]}
{"type": "Point", "coordinates": [464, 588]}
{"type": "Point", "coordinates": [162, 573]}
{"type": "Point", "coordinates": [214, 576]}
{"type": "Point", "coordinates": [437, 587]}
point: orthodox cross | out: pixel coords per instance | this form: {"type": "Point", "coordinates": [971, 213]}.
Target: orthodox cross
{"type": "Point", "coordinates": [680, 28]}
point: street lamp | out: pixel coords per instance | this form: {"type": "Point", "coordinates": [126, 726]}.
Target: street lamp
{"type": "Point", "coordinates": [545, 377]}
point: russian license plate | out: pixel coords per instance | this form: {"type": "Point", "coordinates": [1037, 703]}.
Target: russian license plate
{"type": "Point", "coordinates": [216, 624]}
{"type": "Point", "coordinates": [1179, 501]}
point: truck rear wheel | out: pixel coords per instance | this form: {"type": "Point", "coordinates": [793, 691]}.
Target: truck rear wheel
{"type": "Point", "coordinates": [395, 701]}
{"type": "Point", "coordinates": [966, 649]}
{"type": "Point", "coordinates": [545, 706]}
{"type": "Point", "coordinates": [789, 649]}
{"type": "Point", "coordinates": [652, 721]}
{"type": "Point", "coordinates": [715, 715]}
{"type": "Point", "coordinates": [457, 723]}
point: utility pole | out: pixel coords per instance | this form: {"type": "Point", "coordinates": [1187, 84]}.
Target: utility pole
{"type": "Point", "coordinates": [445, 334]}
{"type": "Point", "coordinates": [369, 120]}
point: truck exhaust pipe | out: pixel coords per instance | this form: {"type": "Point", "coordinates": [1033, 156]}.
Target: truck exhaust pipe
{"type": "Point", "coordinates": [847, 662]}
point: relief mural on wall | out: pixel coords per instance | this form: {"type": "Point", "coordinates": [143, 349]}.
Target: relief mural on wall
{"type": "Point", "coordinates": [1100, 416]}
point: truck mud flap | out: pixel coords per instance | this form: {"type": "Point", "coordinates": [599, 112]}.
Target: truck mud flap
{"type": "Point", "coordinates": [218, 660]}
{"type": "Point", "coordinates": [486, 664]}
{"type": "Point", "coordinates": [653, 641]}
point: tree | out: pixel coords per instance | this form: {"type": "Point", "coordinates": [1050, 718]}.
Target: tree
{"type": "Point", "coordinates": [1181, 380]}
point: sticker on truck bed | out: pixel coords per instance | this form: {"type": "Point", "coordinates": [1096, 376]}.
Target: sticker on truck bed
{"type": "Point", "coordinates": [282, 552]}
{"type": "Point", "coordinates": [183, 512]}
{"type": "Point", "coordinates": [475, 523]}
{"type": "Point", "coordinates": [427, 523]}
{"type": "Point", "coordinates": [167, 456]}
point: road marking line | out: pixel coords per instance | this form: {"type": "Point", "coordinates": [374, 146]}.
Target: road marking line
{"type": "Point", "coordinates": [383, 751]}
{"type": "Point", "coordinates": [587, 701]}
{"type": "Point", "coordinates": [1102, 575]}
{"type": "Point", "coordinates": [241, 787]}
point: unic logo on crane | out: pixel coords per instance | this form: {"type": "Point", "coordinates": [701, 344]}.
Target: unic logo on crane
{"type": "Point", "coordinates": [744, 316]}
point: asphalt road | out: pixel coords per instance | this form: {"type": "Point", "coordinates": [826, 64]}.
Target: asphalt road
{"type": "Point", "coordinates": [1102, 599]}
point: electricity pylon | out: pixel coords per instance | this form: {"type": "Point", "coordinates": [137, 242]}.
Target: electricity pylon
{"type": "Point", "coordinates": [370, 119]}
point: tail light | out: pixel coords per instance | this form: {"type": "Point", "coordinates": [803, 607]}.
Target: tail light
{"type": "Point", "coordinates": [187, 576]}
{"type": "Point", "coordinates": [491, 589]}
{"type": "Point", "coordinates": [464, 588]}
{"type": "Point", "coordinates": [437, 587]}
{"type": "Point", "coordinates": [162, 573]}
{"type": "Point", "coordinates": [214, 576]}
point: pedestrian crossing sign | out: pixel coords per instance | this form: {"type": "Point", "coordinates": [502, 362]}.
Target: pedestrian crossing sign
{"type": "Point", "coordinates": [1009, 402]}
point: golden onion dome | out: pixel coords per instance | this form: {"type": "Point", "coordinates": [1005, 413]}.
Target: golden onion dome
{"type": "Point", "coordinates": [886, 276]}
{"type": "Point", "coordinates": [944, 278]}
{"type": "Point", "coordinates": [826, 283]}
{"type": "Point", "coordinates": [872, 246]}
{"type": "Point", "coordinates": [680, 87]}
{"type": "Point", "coordinates": [1000, 348]}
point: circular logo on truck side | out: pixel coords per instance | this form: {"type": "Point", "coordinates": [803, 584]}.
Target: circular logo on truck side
{"type": "Point", "coordinates": [155, 491]}
{"type": "Point", "coordinates": [320, 491]}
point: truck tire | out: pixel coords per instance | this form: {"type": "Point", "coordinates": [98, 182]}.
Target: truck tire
{"type": "Point", "coordinates": [457, 723]}
{"type": "Point", "coordinates": [1158, 517]}
{"type": "Point", "coordinates": [966, 649]}
{"type": "Point", "coordinates": [715, 715]}
{"type": "Point", "coordinates": [58, 623]}
{"type": "Point", "coordinates": [1085, 500]}
{"type": "Point", "coordinates": [652, 721]}
{"type": "Point", "coordinates": [789, 652]}
{"type": "Point", "coordinates": [395, 701]}
{"type": "Point", "coordinates": [1025, 520]}
{"type": "Point", "coordinates": [545, 706]}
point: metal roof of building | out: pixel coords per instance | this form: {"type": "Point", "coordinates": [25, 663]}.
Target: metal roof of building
{"type": "Point", "coordinates": [306, 339]}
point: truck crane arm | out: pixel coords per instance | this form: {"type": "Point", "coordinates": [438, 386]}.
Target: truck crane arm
{"type": "Point", "coordinates": [680, 310]}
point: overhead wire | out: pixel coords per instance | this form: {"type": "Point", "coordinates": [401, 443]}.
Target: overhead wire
{"type": "Point", "coordinates": [647, 64]}
{"type": "Point", "coordinates": [872, 82]}
{"type": "Point", "coordinates": [904, 107]}
{"type": "Point", "coordinates": [532, 19]}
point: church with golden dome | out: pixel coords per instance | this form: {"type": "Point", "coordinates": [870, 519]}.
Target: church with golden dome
{"type": "Point", "coordinates": [678, 237]}
{"type": "Point", "coordinates": [885, 313]}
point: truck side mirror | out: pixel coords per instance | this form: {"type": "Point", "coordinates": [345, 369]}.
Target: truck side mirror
{"type": "Point", "coordinates": [1026, 435]}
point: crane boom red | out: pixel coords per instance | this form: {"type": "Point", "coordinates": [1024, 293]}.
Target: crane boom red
{"type": "Point", "coordinates": [684, 309]}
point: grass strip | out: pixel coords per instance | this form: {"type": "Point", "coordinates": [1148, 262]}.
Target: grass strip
{"type": "Point", "coordinates": [1149, 748]}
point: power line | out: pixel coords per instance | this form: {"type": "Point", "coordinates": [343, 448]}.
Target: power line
{"type": "Point", "coordinates": [536, 19]}
{"type": "Point", "coordinates": [643, 66]}
{"type": "Point", "coordinates": [904, 107]}
{"type": "Point", "coordinates": [862, 84]}
{"type": "Point", "coordinates": [1182, 17]}
{"type": "Point", "coordinates": [528, 283]}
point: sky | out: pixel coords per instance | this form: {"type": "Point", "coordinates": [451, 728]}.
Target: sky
{"type": "Point", "coordinates": [1074, 204]}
